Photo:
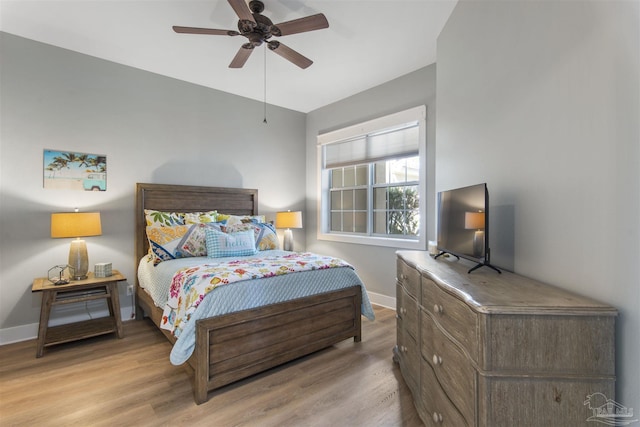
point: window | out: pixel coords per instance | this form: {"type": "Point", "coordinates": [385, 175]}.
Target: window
{"type": "Point", "coordinates": [372, 182]}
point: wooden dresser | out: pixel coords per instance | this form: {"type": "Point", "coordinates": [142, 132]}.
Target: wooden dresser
{"type": "Point", "coordinates": [489, 349]}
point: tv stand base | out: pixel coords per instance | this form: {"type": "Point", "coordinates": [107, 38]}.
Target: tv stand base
{"type": "Point", "coordinates": [445, 252]}
{"type": "Point", "coordinates": [480, 264]}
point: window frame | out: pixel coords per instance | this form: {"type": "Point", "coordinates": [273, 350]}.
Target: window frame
{"type": "Point", "coordinates": [416, 114]}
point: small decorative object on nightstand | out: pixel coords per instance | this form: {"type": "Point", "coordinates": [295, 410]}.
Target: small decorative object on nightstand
{"type": "Point", "coordinates": [91, 288]}
{"type": "Point", "coordinates": [102, 269]}
{"type": "Point", "coordinates": [59, 274]}
{"type": "Point", "coordinates": [288, 220]}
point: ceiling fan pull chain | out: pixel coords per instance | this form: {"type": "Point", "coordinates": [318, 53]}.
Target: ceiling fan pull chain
{"type": "Point", "coordinates": [265, 85]}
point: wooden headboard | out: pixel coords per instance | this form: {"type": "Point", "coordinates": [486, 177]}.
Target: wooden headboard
{"type": "Point", "coordinates": [188, 198]}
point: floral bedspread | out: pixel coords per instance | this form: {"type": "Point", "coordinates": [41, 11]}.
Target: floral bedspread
{"type": "Point", "coordinates": [190, 285]}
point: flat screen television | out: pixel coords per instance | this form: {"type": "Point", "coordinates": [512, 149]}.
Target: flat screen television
{"type": "Point", "coordinates": [463, 224]}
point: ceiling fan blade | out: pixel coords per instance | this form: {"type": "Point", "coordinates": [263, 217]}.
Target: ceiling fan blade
{"type": "Point", "coordinates": [290, 54]}
{"type": "Point", "coordinates": [241, 57]}
{"type": "Point", "coordinates": [211, 31]}
{"type": "Point", "coordinates": [241, 9]}
{"type": "Point", "coordinates": [302, 25]}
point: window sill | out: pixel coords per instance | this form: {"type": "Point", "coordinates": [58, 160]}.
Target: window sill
{"type": "Point", "coordinates": [388, 242]}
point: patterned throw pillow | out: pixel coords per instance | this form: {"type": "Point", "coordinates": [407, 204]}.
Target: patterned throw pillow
{"type": "Point", "coordinates": [162, 219]}
{"type": "Point", "coordinates": [194, 242]}
{"type": "Point", "coordinates": [200, 217]}
{"type": "Point", "coordinates": [221, 244]}
{"type": "Point", "coordinates": [236, 219]}
{"type": "Point", "coordinates": [163, 241]}
{"type": "Point", "coordinates": [178, 241]}
{"type": "Point", "coordinates": [264, 233]}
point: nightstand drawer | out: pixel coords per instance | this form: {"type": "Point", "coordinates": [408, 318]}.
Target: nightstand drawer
{"type": "Point", "coordinates": [453, 315]}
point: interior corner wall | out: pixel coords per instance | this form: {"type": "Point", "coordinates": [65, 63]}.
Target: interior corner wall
{"type": "Point", "coordinates": [151, 128]}
{"type": "Point", "coordinates": [376, 265]}
{"type": "Point", "coordinates": [541, 101]}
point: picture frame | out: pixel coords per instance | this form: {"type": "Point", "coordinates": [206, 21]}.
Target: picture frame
{"type": "Point", "coordinates": [67, 170]}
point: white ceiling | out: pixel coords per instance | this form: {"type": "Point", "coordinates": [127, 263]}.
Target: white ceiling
{"type": "Point", "coordinates": [368, 42]}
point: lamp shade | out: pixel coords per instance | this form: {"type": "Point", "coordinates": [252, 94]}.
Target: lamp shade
{"type": "Point", "coordinates": [75, 224]}
{"type": "Point", "coordinates": [474, 220]}
{"type": "Point", "coordinates": [289, 219]}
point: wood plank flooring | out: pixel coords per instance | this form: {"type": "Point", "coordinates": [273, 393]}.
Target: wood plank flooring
{"type": "Point", "coordinates": [105, 381]}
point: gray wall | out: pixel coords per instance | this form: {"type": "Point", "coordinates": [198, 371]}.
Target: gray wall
{"type": "Point", "coordinates": [538, 99]}
{"type": "Point", "coordinates": [376, 265]}
{"type": "Point", "coordinates": [541, 100]}
{"type": "Point", "coordinates": [152, 129]}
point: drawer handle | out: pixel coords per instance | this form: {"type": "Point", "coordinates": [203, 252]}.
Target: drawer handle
{"type": "Point", "coordinates": [403, 276]}
{"type": "Point", "coordinates": [437, 360]}
{"type": "Point", "coordinates": [403, 310]}
{"type": "Point", "coordinates": [437, 418]}
{"type": "Point", "coordinates": [404, 349]}
{"type": "Point", "coordinates": [437, 308]}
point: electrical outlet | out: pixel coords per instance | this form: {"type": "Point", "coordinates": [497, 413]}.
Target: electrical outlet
{"type": "Point", "coordinates": [130, 290]}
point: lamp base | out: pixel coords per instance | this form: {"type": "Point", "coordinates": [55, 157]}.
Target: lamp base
{"type": "Point", "coordinates": [78, 259]}
{"type": "Point", "coordinates": [287, 243]}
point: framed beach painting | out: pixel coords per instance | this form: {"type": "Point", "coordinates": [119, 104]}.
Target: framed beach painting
{"type": "Point", "coordinates": [65, 170]}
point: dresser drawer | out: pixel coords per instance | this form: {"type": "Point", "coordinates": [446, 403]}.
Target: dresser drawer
{"type": "Point", "coordinates": [455, 373]}
{"type": "Point", "coordinates": [409, 358]}
{"type": "Point", "coordinates": [407, 310]}
{"type": "Point", "coordinates": [453, 315]}
{"type": "Point", "coordinates": [437, 409]}
{"type": "Point", "coordinates": [409, 277]}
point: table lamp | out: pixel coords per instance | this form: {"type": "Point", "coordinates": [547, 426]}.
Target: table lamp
{"type": "Point", "coordinates": [475, 221]}
{"type": "Point", "coordinates": [288, 220]}
{"type": "Point", "coordinates": [76, 224]}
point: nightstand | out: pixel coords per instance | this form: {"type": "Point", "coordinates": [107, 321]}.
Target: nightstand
{"type": "Point", "coordinates": [91, 288]}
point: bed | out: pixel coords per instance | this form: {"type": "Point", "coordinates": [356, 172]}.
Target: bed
{"type": "Point", "coordinates": [235, 345]}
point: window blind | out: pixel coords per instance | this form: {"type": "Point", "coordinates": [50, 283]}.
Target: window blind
{"type": "Point", "coordinates": [381, 145]}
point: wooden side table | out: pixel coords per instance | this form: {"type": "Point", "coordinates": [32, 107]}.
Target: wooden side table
{"type": "Point", "coordinates": [91, 288]}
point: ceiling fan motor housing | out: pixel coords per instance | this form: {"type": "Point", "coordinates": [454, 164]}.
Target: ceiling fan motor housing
{"type": "Point", "coordinates": [260, 31]}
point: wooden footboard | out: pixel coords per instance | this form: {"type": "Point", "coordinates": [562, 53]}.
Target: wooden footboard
{"type": "Point", "coordinates": [235, 346]}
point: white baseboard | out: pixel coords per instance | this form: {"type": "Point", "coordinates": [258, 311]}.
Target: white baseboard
{"type": "Point", "coordinates": [18, 333]}
{"type": "Point", "coordinates": [382, 300]}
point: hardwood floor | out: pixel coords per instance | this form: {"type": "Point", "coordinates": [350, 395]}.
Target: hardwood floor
{"type": "Point", "coordinates": [105, 381]}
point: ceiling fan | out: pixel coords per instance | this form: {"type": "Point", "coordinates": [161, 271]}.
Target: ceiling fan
{"type": "Point", "coordinates": [258, 29]}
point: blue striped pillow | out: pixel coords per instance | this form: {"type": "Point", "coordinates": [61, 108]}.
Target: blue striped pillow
{"type": "Point", "coordinates": [221, 244]}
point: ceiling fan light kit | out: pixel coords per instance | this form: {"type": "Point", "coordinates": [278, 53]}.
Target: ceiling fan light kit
{"type": "Point", "coordinates": [258, 29]}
